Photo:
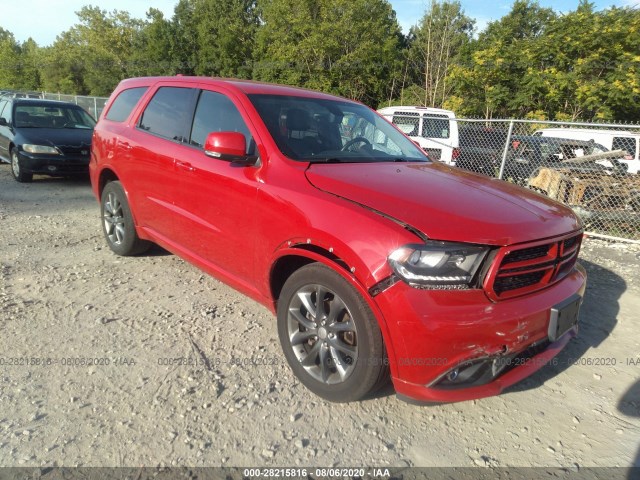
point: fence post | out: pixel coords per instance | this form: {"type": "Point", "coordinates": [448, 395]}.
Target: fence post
{"type": "Point", "coordinates": [506, 150]}
{"type": "Point", "coordinates": [95, 107]}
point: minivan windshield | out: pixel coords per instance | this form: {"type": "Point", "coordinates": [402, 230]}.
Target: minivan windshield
{"type": "Point", "coordinates": [332, 131]}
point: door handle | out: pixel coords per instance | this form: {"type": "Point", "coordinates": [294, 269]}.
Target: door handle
{"type": "Point", "coordinates": [184, 166]}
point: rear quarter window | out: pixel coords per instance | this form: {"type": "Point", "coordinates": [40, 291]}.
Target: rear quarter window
{"type": "Point", "coordinates": [124, 104]}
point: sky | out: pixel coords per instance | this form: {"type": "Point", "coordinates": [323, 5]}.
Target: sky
{"type": "Point", "coordinates": [43, 20]}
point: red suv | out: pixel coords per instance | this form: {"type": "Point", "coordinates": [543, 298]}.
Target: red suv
{"type": "Point", "coordinates": [376, 260]}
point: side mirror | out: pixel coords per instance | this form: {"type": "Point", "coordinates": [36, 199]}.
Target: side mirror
{"type": "Point", "coordinates": [3, 122]}
{"type": "Point", "coordinates": [229, 146]}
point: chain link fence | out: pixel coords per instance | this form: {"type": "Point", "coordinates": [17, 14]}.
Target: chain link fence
{"type": "Point", "coordinates": [593, 168]}
{"type": "Point", "coordinates": [93, 105]}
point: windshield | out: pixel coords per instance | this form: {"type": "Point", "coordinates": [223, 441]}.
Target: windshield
{"type": "Point", "coordinates": [321, 130]}
{"type": "Point", "coordinates": [47, 116]}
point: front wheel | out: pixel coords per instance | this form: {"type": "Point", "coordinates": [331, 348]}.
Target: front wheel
{"type": "Point", "coordinates": [117, 222]}
{"type": "Point", "coordinates": [16, 169]}
{"type": "Point", "coordinates": [329, 335]}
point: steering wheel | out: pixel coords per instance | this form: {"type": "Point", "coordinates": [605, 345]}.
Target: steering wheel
{"type": "Point", "coordinates": [353, 141]}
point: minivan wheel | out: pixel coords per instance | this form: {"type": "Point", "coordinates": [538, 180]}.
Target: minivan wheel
{"type": "Point", "coordinates": [329, 335]}
{"type": "Point", "coordinates": [117, 222]}
{"type": "Point", "coordinates": [16, 169]}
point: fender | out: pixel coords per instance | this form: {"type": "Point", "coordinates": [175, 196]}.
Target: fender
{"type": "Point", "coordinates": [294, 250]}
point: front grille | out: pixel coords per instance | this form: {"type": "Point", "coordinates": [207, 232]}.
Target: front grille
{"type": "Point", "coordinates": [569, 243]}
{"type": "Point", "coordinates": [527, 268]}
{"type": "Point", "coordinates": [526, 254]}
{"type": "Point", "coordinates": [82, 149]}
{"type": "Point", "coordinates": [514, 282]}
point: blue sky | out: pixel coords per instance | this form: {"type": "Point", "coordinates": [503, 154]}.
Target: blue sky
{"type": "Point", "coordinates": [44, 19]}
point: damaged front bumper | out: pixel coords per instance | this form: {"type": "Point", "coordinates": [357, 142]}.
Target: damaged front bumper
{"type": "Point", "coordinates": [450, 346]}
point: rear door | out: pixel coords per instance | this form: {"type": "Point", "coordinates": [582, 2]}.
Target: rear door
{"type": "Point", "coordinates": [152, 146]}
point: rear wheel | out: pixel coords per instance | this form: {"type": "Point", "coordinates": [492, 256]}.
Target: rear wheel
{"type": "Point", "coordinates": [329, 335]}
{"type": "Point", "coordinates": [16, 169]}
{"type": "Point", "coordinates": [117, 222]}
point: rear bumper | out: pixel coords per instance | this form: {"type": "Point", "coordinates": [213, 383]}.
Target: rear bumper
{"type": "Point", "coordinates": [434, 332]}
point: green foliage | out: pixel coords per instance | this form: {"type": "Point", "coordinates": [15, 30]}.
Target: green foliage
{"type": "Point", "coordinates": [350, 48]}
{"type": "Point", "coordinates": [532, 63]}
{"type": "Point", "coordinates": [439, 41]}
{"type": "Point", "coordinates": [583, 65]}
{"type": "Point", "coordinates": [9, 59]}
{"type": "Point", "coordinates": [63, 68]}
{"type": "Point", "coordinates": [225, 37]}
{"type": "Point", "coordinates": [501, 78]}
{"type": "Point", "coordinates": [152, 46]}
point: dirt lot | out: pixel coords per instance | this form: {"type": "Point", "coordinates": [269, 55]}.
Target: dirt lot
{"type": "Point", "coordinates": [66, 299]}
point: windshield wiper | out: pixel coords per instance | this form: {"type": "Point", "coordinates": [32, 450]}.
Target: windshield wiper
{"type": "Point", "coordinates": [326, 160]}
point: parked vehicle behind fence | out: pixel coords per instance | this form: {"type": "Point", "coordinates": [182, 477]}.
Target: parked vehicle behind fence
{"type": "Point", "coordinates": [434, 129]}
{"type": "Point", "coordinates": [481, 148]}
{"type": "Point", "coordinates": [374, 258]}
{"type": "Point", "coordinates": [527, 154]}
{"type": "Point", "coordinates": [611, 139]}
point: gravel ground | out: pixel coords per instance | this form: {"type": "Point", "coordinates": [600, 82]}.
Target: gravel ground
{"type": "Point", "coordinates": [66, 300]}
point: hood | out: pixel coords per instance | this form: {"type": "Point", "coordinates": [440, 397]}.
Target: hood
{"type": "Point", "coordinates": [59, 137]}
{"type": "Point", "coordinates": [446, 203]}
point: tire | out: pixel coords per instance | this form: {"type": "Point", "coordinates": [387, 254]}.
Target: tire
{"type": "Point", "coordinates": [17, 170]}
{"type": "Point", "coordinates": [117, 222]}
{"type": "Point", "coordinates": [337, 350]}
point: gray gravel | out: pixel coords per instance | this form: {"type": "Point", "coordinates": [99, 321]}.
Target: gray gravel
{"type": "Point", "coordinates": [66, 299]}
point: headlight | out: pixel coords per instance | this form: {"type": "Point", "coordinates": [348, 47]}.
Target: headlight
{"type": "Point", "coordinates": [437, 264]}
{"type": "Point", "coordinates": [44, 149]}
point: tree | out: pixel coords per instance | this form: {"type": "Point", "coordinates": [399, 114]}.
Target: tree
{"type": "Point", "coordinates": [29, 66]}
{"type": "Point", "coordinates": [9, 60]}
{"type": "Point", "coordinates": [348, 47]}
{"type": "Point", "coordinates": [152, 48]}
{"type": "Point", "coordinates": [592, 66]}
{"type": "Point", "coordinates": [501, 77]}
{"type": "Point", "coordinates": [184, 42]}
{"type": "Point", "coordinates": [63, 66]}
{"type": "Point", "coordinates": [437, 42]}
{"type": "Point", "coordinates": [107, 40]}
{"type": "Point", "coordinates": [225, 37]}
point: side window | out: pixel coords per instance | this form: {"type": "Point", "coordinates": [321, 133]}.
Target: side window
{"type": "Point", "coordinates": [407, 122]}
{"type": "Point", "coordinates": [124, 103]}
{"type": "Point", "coordinates": [625, 143]}
{"type": "Point", "coordinates": [434, 127]}
{"type": "Point", "coordinates": [168, 114]}
{"type": "Point", "coordinates": [216, 113]}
